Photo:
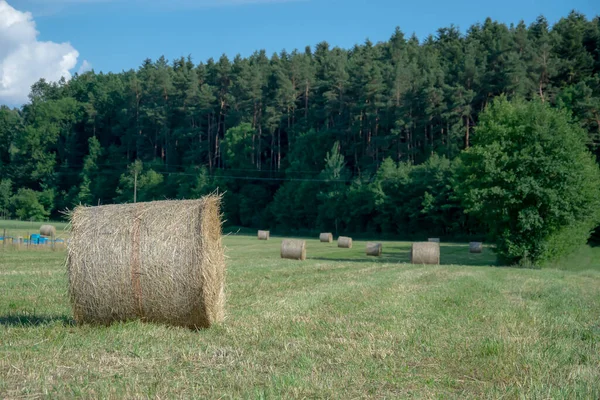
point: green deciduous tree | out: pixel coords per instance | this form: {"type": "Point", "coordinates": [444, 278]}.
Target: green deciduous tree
{"type": "Point", "coordinates": [91, 179]}
{"type": "Point", "coordinates": [147, 181]}
{"type": "Point", "coordinates": [27, 205]}
{"type": "Point", "coordinates": [531, 179]}
{"type": "Point", "coordinates": [5, 197]}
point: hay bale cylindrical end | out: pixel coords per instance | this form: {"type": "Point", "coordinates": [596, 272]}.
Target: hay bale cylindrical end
{"type": "Point", "coordinates": [293, 249]}
{"type": "Point", "coordinates": [374, 249]}
{"type": "Point", "coordinates": [475, 247]}
{"type": "Point", "coordinates": [48, 230]}
{"type": "Point", "coordinates": [264, 235]}
{"type": "Point", "coordinates": [425, 253]}
{"type": "Point", "coordinates": [345, 242]}
{"type": "Point", "coordinates": [158, 262]}
{"type": "Point", "coordinates": [326, 237]}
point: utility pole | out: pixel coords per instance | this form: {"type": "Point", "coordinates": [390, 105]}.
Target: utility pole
{"type": "Point", "coordinates": [135, 169]}
{"type": "Point", "coordinates": [135, 187]}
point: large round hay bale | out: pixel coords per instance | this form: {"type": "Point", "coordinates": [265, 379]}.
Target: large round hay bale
{"type": "Point", "coordinates": [434, 240]}
{"type": "Point", "coordinates": [425, 253]}
{"type": "Point", "coordinates": [48, 230]}
{"type": "Point", "coordinates": [159, 262]}
{"type": "Point", "coordinates": [374, 249]}
{"type": "Point", "coordinates": [345, 242]}
{"type": "Point", "coordinates": [264, 235]}
{"type": "Point", "coordinates": [475, 247]}
{"type": "Point", "coordinates": [293, 249]}
{"type": "Point", "coordinates": [326, 237]}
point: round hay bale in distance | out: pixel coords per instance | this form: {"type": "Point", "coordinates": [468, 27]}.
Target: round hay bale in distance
{"type": "Point", "coordinates": [159, 262]}
{"type": "Point", "coordinates": [326, 237]}
{"type": "Point", "coordinates": [374, 249]}
{"type": "Point", "coordinates": [425, 253]}
{"type": "Point", "coordinates": [475, 247]}
{"type": "Point", "coordinates": [345, 242]}
{"type": "Point", "coordinates": [48, 230]}
{"type": "Point", "coordinates": [434, 240]}
{"type": "Point", "coordinates": [293, 249]}
{"type": "Point", "coordinates": [264, 235]}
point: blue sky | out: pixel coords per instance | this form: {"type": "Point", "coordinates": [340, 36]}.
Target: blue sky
{"type": "Point", "coordinates": [113, 35]}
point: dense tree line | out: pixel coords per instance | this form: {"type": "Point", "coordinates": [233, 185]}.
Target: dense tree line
{"type": "Point", "coordinates": [359, 140]}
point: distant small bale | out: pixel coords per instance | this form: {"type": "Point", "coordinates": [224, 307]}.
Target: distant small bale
{"type": "Point", "coordinates": [434, 240]}
{"type": "Point", "coordinates": [475, 247]}
{"type": "Point", "coordinates": [326, 237]}
{"type": "Point", "coordinates": [345, 242]}
{"type": "Point", "coordinates": [374, 249]}
{"type": "Point", "coordinates": [293, 249]}
{"type": "Point", "coordinates": [264, 235]}
{"type": "Point", "coordinates": [425, 253]}
{"type": "Point", "coordinates": [160, 262]}
{"type": "Point", "coordinates": [48, 230]}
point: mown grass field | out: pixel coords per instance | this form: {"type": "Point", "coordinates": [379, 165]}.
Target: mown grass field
{"type": "Point", "coordinates": [339, 325]}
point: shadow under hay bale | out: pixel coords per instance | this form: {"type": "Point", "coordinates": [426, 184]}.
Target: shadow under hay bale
{"type": "Point", "coordinates": [264, 235]}
{"type": "Point", "coordinates": [374, 249]}
{"type": "Point", "coordinates": [159, 262]}
{"type": "Point", "coordinates": [293, 249]}
{"type": "Point", "coordinates": [48, 230]}
{"type": "Point", "coordinates": [425, 253]}
{"type": "Point", "coordinates": [475, 247]}
{"type": "Point", "coordinates": [326, 237]}
{"type": "Point", "coordinates": [345, 242]}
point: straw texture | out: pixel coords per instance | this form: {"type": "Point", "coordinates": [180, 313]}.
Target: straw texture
{"type": "Point", "coordinates": [475, 247]}
{"type": "Point", "coordinates": [264, 235]}
{"type": "Point", "coordinates": [345, 242]}
{"type": "Point", "coordinates": [326, 237]}
{"type": "Point", "coordinates": [48, 230]}
{"type": "Point", "coordinates": [293, 249]}
{"type": "Point", "coordinates": [425, 253]}
{"type": "Point", "coordinates": [374, 249]}
{"type": "Point", "coordinates": [159, 262]}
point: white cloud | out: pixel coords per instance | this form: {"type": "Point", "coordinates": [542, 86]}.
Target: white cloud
{"type": "Point", "coordinates": [85, 67]}
{"type": "Point", "coordinates": [24, 60]}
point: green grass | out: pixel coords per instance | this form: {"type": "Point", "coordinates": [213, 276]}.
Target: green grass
{"type": "Point", "coordinates": [339, 325]}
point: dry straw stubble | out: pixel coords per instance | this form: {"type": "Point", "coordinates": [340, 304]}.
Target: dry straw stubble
{"type": "Point", "coordinates": [425, 253]}
{"type": "Point", "coordinates": [158, 262]}
{"type": "Point", "coordinates": [293, 249]}
{"type": "Point", "coordinates": [345, 242]}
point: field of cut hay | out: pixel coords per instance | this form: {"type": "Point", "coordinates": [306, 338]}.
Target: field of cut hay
{"type": "Point", "coordinates": [338, 325]}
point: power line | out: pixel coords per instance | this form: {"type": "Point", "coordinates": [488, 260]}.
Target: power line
{"type": "Point", "coordinates": [80, 166]}
{"type": "Point", "coordinates": [247, 178]}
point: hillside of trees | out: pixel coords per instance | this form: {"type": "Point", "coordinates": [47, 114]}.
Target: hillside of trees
{"type": "Point", "coordinates": [365, 139]}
